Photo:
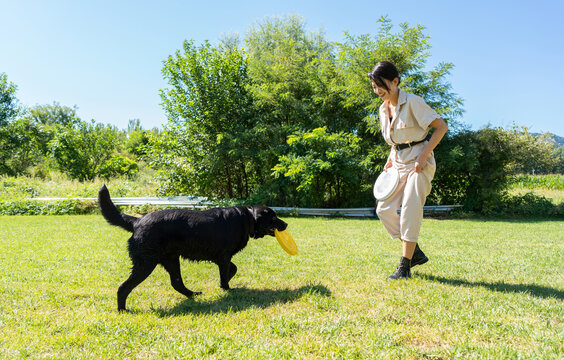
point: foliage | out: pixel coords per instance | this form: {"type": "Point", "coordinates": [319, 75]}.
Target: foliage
{"type": "Point", "coordinates": [117, 165]}
{"type": "Point", "coordinates": [46, 137]}
{"type": "Point", "coordinates": [59, 185]}
{"type": "Point", "coordinates": [82, 151]}
{"type": "Point", "coordinates": [527, 205]}
{"type": "Point", "coordinates": [209, 141]}
{"type": "Point", "coordinates": [9, 107]}
{"type": "Point", "coordinates": [53, 115]}
{"type": "Point", "coordinates": [457, 159]}
{"type": "Point", "coordinates": [324, 169]}
{"type": "Point", "coordinates": [60, 207]}
{"type": "Point", "coordinates": [289, 81]}
{"type": "Point", "coordinates": [530, 154]}
{"type": "Point", "coordinates": [138, 139]}
{"type": "Point", "coordinates": [287, 65]}
{"type": "Point", "coordinates": [558, 155]}
{"type": "Point", "coordinates": [19, 146]}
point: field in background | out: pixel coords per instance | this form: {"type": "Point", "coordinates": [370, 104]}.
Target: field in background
{"type": "Point", "coordinates": [549, 186]}
{"type": "Point", "coordinates": [492, 289]}
{"type": "Point", "coordinates": [58, 185]}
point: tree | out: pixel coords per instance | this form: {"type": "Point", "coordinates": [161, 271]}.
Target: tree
{"type": "Point", "coordinates": [83, 151]}
{"type": "Point", "coordinates": [53, 115]}
{"type": "Point", "coordinates": [9, 107]}
{"type": "Point", "coordinates": [324, 169]}
{"type": "Point", "coordinates": [530, 154]}
{"type": "Point", "coordinates": [283, 63]}
{"type": "Point", "coordinates": [208, 141]}
{"type": "Point", "coordinates": [231, 112]}
{"type": "Point", "coordinates": [18, 146]}
{"type": "Point", "coordinates": [13, 137]}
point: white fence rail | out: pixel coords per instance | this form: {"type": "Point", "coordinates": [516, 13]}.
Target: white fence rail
{"type": "Point", "coordinates": [203, 203]}
{"type": "Point", "coordinates": [362, 212]}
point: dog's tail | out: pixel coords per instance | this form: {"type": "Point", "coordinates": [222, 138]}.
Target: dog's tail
{"type": "Point", "coordinates": [111, 213]}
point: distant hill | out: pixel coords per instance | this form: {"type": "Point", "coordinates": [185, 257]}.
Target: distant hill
{"type": "Point", "coordinates": [558, 140]}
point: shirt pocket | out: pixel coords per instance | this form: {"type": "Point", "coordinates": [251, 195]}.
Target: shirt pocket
{"type": "Point", "coordinates": [405, 123]}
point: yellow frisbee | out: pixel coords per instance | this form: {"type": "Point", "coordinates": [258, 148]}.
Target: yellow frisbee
{"type": "Point", "coordinates": [286, 241]}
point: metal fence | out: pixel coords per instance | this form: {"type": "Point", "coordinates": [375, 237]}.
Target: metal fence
{"type": "Point", "coordinates": [194, 202]}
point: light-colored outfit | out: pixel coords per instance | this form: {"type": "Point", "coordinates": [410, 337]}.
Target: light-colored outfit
{"type": "Point", "coordinates": [409, 124]}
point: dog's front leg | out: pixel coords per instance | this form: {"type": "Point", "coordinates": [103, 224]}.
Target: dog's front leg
{"type": "Point", "coordinates": [226, 272]}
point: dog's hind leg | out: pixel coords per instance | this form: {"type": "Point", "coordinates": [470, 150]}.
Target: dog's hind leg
{"type": "Point", "coordinates": [232, 271]}
{"type": "Point", "coordinates": [172, 265]}
{"type": "Point", "coordinates": [139, 272]}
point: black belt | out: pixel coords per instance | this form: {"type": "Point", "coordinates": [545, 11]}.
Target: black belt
{"type": "Point", "coordinates": [405, 146]}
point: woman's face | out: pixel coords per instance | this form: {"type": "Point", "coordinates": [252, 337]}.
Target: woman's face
{"type": "Point", "coordinates": [382, 92]}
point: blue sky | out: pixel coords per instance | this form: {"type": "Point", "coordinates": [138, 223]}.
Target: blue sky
{"type": "Point", "coordinates": [106, 56]}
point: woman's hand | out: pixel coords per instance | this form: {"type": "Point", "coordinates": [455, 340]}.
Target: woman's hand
{"type": "Point", "coordinates": [388, 164]}
{"type": "Point", "coordinates": [420, 162]}
{"type": "Point", "coordinates": [440, 130]}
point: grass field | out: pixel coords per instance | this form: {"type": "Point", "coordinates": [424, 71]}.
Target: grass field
{"type": "Point", "coordinates": [491, 290]}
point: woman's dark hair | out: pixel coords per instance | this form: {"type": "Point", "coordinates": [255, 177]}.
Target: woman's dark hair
{"type": "Point", "coordinates": [384, 70]}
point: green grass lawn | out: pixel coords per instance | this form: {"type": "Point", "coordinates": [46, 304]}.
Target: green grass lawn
{"type": "Point", "coordinates": [492, 289]}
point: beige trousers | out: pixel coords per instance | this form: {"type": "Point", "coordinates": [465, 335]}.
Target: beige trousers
{"type": "Point", "coordinates": [411, 193]}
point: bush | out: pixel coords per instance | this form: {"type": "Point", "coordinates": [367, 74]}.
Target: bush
{"type": "Point", "coordinates": [529, 205]}
{"type": "Point", "coordinates": [34, 207]}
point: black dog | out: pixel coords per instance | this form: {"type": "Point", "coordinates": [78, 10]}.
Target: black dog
{"type": "Point", "coordinates": [162, 237]}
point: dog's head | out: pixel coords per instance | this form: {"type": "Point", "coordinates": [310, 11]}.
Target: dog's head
{"type": "Point", "coordinates": [265, 221]}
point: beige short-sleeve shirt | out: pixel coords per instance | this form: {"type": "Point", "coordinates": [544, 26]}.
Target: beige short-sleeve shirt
{"type": "Point", "coordinates": [410, 122]}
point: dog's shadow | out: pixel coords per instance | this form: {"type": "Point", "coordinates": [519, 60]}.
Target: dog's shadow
{"type": "Point", "coordinates": [532, 289]}
{"type": "Point", "coordinates": [243, 298]}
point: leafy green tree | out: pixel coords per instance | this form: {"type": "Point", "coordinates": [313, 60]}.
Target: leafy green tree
{"type": "Point", "coordinates": [14, 138]}
{"type": "Point", "coordinates": [231, 113]}
{"type": "Point", "coordinates": [18, 146]}
{"type": "Point", "coordinates": [558, 154]}
{"type": "Point", "coordinates": [82, 151]}
{"type": "Point", "coordinates": [208, 141]}
{"type": "Point", "coordinates": [53, 115]}
{"type": "Point", "coordinates": [27, 138]}
{"type": "Point", "coordinates": [344, 90]}
{"type": "Point", "coordinates": [530, 154]}
{"type": "Point", "coordinates": [9, 107]}
{"type": "Point", "coordinates": [409, 50]}
{"type": "Point", "coordinates": [137, 138]}
{"type": "Point", "coordinates": [324, 169]}
{"type": "Point", "coordinates": [283, 64]}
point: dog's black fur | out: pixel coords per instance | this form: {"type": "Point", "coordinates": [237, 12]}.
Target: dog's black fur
{"type": "Point", "coordinates": [162, 237]}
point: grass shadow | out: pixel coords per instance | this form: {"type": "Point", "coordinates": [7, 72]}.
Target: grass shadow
{"type": "Point", "coordinates": [532, 289]}
{"type": "Point", "coordinates": [243, 298]}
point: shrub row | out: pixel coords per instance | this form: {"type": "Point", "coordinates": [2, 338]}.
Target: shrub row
{"type": "Point", "coordinates": [59, 207]}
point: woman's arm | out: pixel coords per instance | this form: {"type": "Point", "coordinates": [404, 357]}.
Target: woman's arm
{"type": "Point", "coordinates": [440, 130]}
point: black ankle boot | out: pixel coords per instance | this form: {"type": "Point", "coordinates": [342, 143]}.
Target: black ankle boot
{"type": "Point", "coordinates": [403, 270]}
{"type": "Point", "coordinates": [419, 257]}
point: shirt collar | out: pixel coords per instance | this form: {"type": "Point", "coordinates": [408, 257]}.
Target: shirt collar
{"type": "Point", "coordinates": [402, 97]}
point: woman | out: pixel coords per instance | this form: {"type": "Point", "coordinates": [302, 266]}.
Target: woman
{"type": "Point", "coordinates": [405, 120]}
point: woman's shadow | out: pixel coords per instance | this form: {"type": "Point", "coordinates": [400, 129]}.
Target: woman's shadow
{"type": "Point", "coordinates": [243, 298]}
{"type": "Point", "coordinates": [532, 289]}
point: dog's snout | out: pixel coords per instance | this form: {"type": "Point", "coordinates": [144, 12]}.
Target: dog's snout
{"type": "Point", "coordinates": [281, 225]}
